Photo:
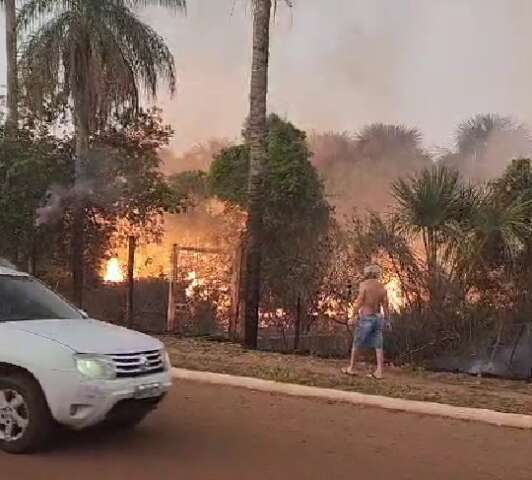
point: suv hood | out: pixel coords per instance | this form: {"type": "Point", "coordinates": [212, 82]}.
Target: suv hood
{"type": "Point", "coordinates": [89, 336]}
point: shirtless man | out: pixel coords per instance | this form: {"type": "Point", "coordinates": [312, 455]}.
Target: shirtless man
{"type": "Point", "coordinates": [372, 297]}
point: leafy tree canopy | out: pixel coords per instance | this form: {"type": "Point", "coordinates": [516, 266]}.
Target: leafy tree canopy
{"type": "Point", "coordinates": [297, 215]}
{"type": "Point", "coordinates": [126, 191]}
{"type": "Point", "coordinates": [29, 164]}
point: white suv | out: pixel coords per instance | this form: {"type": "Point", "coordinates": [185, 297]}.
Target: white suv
{"type": "Point", "coordinates": [59, 367]}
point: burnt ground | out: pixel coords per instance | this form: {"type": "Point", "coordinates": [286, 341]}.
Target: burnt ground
{"type": "Point", "coordinates": [205, 432]}
{"type": "Point", "coordinates": [414, 384]}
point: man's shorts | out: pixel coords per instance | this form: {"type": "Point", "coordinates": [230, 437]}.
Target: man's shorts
{"type": "Point", "coordinates": [368, 332]}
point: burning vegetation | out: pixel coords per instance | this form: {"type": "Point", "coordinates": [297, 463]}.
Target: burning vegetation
{"type": "Point", "coordinates": [195, 252]}
{"type": "Point", "coordinates": [312, 269]}
{"type": "Point", "coordinates": [450, 279]}
{"type": "Point", "coordinates": [114, 271]}
{"type": "Point", "coordinates": [91, 203]}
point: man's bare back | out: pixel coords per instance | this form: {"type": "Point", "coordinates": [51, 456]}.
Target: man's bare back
{"type": "Point", "coordinates": [371, 297]}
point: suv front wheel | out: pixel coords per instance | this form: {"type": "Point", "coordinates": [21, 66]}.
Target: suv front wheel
{"type": "Point", "coordinates": [25, 419]}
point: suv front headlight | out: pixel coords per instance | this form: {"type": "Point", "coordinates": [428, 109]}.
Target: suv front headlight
{"type": "Point", "coordinates": [95, 367]}
{"type": "Point", "coordinates": [166, 360]}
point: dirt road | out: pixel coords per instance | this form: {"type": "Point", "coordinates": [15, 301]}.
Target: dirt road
{"type": "Point", "coordinates": [207, 432]}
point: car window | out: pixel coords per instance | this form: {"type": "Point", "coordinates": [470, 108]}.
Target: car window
{"type": "Point", "coordinates": [25, 298]}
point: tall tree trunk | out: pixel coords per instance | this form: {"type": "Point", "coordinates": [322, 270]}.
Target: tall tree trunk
{"type": "Point", "coordinates": [241, 317]}
{"type": "Point", "coordinates": [82, 127]}
{"type": "Point", "coordinates": [234, 324]}
{"type": "Point", "coordinates": [256, 134]}
{"type": "Point", "coordinates": [12, 71]}
{"type": "Point", "coordinates": [431, 249]}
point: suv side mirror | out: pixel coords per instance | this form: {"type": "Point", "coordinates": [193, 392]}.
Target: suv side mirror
{"type": "Point", "coordinates": [84, 314]}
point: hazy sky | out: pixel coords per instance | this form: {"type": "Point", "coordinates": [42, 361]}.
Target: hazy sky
{"type": "Point", "coordinates": [338, 64]}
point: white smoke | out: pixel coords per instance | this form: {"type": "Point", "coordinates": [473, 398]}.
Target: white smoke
{"type": "Point", "coordinates": [58, 198]}
{"type": "Point", "coordinates": [337, 65]}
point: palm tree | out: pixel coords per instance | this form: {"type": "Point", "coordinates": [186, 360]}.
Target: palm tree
{"type": "Point", "coordinates": [394, 149]}
{"type": "Point", "coordinates": [95, 56]}
{"type": "Point", "coordinates": [473, 133]}
{"type": "Point", "coordinates": [379, 137]}
{"type": "Point", "coordinates": [11, 57]}
{"type": "Point", "coordinates": [486, 143]}
{"type": "Point", "coordinates": [498, 232]}
{"type": "Point", "coordinates": [500, 228]}
{"type": "Point", "coordinates": [429, 205]}
{"type": "Point", "coordinates": [256, 138]}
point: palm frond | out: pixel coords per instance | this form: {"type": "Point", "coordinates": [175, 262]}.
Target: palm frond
{"type": "Point", "coordinates": [143, 47]}
{"type": "Point", "coordinates": [112, 78]}
{"type": "Point", "coordinates": [377, 141]}
{"type": "Point", "coordinates": [430, 199]}
{"type": "Point", "coordinates": [36, 11]}
{"type": "Point", "coordinates": [43, 58]}
{"type": "Point", "coordinates": [173, 4]}
{"type": "Point", "coordinates": [390, 133]}
{"type": "Point", "coordinates": [123, 55]}
{"type": "Point", "coordinates": [473, 133]}
{"type": "Point", "coordinates": [492, 233]}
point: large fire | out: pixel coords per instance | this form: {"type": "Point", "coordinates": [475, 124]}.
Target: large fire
{"type": "Point", "coordinates": [113, 271]}
{"type": "Point", "coordinates": [206, 266]}
{"type": "Point", "coordinates": [395, 294]}
{"type": "Point", "coordinates": [200, 247]}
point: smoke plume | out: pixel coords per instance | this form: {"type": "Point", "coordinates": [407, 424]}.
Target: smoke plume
{"type": "Point", "coordinates": [359, 169]}
{"type": "Point", "coordinates": [58, 198]}
{"type": "Point", "coordinates": [338, 65]}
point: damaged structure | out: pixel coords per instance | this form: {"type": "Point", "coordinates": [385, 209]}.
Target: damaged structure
{"type": "Point", "coordinates": [506, 355]}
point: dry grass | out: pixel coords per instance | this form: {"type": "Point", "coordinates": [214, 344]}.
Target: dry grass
{"type": "Point", "coordinates": [460, 390]}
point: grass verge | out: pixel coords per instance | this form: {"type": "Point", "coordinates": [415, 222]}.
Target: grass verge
{"type": "Point", "coordinates": [412, 384]}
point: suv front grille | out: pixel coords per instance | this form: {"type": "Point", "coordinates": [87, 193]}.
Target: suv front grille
{"type": "Point", "coordinates": [129, 365]}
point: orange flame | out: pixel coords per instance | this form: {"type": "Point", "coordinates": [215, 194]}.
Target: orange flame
{"type": "Point", "coordinates": [113, 271]}
{"type": "Point", "coordinates": [395, 294]}
{"type": "Point", "coordinates": [192, 277]}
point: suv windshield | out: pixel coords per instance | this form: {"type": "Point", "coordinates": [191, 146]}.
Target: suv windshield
{"type": "Point", "coordinates": [24, 298]}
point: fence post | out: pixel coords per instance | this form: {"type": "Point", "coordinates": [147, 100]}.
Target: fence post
{"type": "Point", "coordinates": [172, 287]}
{"type": "Point", "coordinates": [297, 332]}
{"type": "Point", "coordinates": [132, 245]}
